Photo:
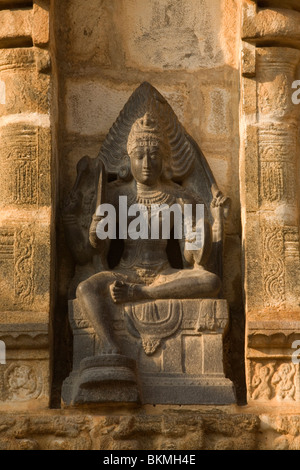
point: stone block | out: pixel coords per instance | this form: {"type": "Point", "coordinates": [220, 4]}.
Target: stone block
{"type": "Point", "coordinates": [277, 25]}
{"type": "Point", "coordinates": [249, 96]}
{"type": "Point", "coordinates": [276, 68]}
{"type": "Point", "coordinates": [89, 34]}
{"type": "Point", "coordinates": [248, 60]}
{"type": "Point", "coordinates": [40, 24]}
{"type": "Point", "coordinates": [26, 91]}
{"type": "Point", "coordinates": [251, 169]}
{"type": "Point", "coordinates": [24, 253]}
{"type": "Point", "coordinates": [16, 28]}
{"type": "Point", "coordinates": [24, 379]}
{"type": "Point", "coordinates": [192, 349]}
{"type": "Point", "coordinates": [25, 158]}
{"type": "Point", "coordinates": [213, 354]}
{"type": "Point", "coordinates": [182, 429]}
{"type": "Point", "coordinates": [273, 372]}
{"type": "Point", "coordinates": [92, 106]}
{"type": "Point", "coordinates": [217, 109]}
{"type": "Point", "coordinates": [168, 36]}
{"type": "Point", "coordinates": [189, 365]}
{"type": "Point", "coordinates": [253, 263]}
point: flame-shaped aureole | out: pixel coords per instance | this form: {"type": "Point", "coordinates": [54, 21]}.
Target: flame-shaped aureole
{"type": "Point", "coordinates": [147, 99]}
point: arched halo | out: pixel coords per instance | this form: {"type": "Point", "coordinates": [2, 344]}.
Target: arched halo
{"type": "Point", "coordinates": [146, 99]}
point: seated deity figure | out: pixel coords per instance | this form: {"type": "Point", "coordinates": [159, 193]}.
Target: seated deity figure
{"type": "Point", "coordinates": [144, 224]}
{"type": "Point", "coordinates": [144, 271]}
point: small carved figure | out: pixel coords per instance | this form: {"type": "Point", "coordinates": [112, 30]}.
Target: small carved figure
{"type": "Point", "coordinates": [22, 382]}
{"type": "Point", "coordinates": [284, 379]}
{"type": "Point", "coordinates": [261, 381]}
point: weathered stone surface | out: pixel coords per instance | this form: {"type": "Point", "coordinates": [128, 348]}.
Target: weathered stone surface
{"type": "Point", "coordinates": [40, 27]}
{"type": "Point", "coordinates": [26, 209]}
{"type": "Point", "coordinates": [269, 197]}
{"type": "Point", "coordinates": [25, 160]}
{"type": "Point", "coordinates": [189, 366]}
{"type": "Point", "coordinates": [45, 432]}
{"type": "Point", "coordinates": [272, 25]}
{"type": "Point", "coordinates": [217, 111]}
{"type": "Point", "coordinates": [24, 283]}
{"type": "Point", "coordinates": [88, 40]}
{"type": "Point", "coordinates": [276, 71]}
{"type": "Point", "coordinates": [163, 36]}
{"type": "Point", "coordinates": [248, 59]}
{"type": "Point", "coordinates": [172, 430]}
{"type": "Point", "coordinates": [16, 28]}
{"type": "Point", "coordinates": [25, 90]}
{"type": "Point", "coordinates": [169, 430]}
{"type": "Point", "coordinates": [87, 104]}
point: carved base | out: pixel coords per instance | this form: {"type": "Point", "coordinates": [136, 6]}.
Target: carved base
{"type": "Point", "coordinates": [188, 390]}
{"type": "Point", "coordinates": [102, 379]}
{"type": "Point", "coordinates": [177, 347]}
{"type": "Point", "coordinates": [273, 369]}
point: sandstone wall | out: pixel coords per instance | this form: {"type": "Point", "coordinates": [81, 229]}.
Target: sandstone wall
{"type": "Point", "coordinates": [270, 198]}
{"type": "Point", "coordinates": [190, 52]}
{"type": "Point", "coordinates": [226, 67]}
{"type": "Point", "coordinates": [26, 201]}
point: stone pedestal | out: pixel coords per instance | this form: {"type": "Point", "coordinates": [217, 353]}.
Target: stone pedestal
{"type": "Point", "coordinates": [177, 359]}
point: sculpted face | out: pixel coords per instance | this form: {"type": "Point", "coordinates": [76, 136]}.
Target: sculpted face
{"type": "Point", "coordinates": [146, 163]}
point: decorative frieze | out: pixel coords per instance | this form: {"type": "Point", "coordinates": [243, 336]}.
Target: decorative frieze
{"type": "Point", "coordinates": [275, 380]}
{"type": "Point", "coordinates": [17, 268]}
{"type": "Point", "coordinates": [22, 382]}
{"type": "Point", "coordinates": [18, 155]}
{"type": "Point", "coordinates": [273, 266]}
{"type": "Point", "coordinates": [24, 247]}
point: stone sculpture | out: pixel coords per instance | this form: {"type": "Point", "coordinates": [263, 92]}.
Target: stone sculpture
{"type": "Point", "coordinates": [144, 309]}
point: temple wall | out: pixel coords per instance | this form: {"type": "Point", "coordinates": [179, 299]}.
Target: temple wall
{"type": "Point", "coordinates": [190, 53]}
{"type": "Point", "coordinates": [270, 200]}
{"type": "Point", "coordinates": [227, 69]}
{"type": "Point", "coordinates": [26, 200]}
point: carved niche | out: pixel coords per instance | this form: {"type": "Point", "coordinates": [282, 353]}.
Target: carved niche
{"type": "Point", "coordinates": [147, 312]}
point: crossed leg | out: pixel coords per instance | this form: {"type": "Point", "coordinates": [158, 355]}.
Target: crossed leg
{"type": "Point", "coordinates": [98, 294]}
{"type": "Point", "coordinates": [194, 283]}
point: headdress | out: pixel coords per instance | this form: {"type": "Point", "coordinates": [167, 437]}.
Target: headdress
{"type": "Point", "coordinates": [145, 131]}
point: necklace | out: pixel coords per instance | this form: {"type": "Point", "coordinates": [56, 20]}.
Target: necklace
{"type": "Point", "coordinates": [152, 196]}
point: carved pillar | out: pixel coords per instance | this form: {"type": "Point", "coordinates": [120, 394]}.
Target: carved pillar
{"type": "Point", "coordinates": [270, 196]}
{"type": "Point", "coordinates": [277, 175]}
{"type": "Point", "coordinates": [25, 203]}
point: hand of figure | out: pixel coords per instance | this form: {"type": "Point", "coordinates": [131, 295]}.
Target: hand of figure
{"type": "Point", "coordinates": [220, 205]}
{"type": "Point", "coordinates": [72, 204]}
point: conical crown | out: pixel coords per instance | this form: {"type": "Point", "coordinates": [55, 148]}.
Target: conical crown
{"type": "Point", "coordinates": [144, 131]}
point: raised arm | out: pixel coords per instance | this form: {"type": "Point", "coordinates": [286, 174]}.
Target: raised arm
{"type": "Point", "coordinates": [102, 246]}
{"type": "Point", "coordinates": [72, 211]}
{"type": "Point", "coordinates": [195, 247]}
